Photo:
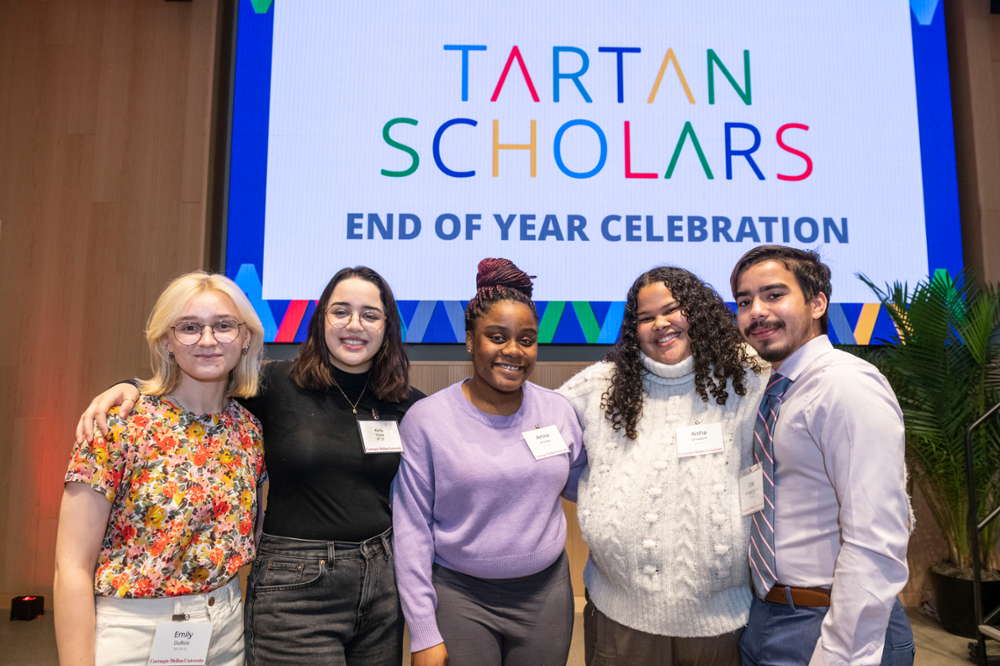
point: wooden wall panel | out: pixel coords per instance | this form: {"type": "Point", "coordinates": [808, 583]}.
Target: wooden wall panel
{"type": "Point", "coordinates": [974, 63]}
{"type": "Point", "coordinates": [105, 119]}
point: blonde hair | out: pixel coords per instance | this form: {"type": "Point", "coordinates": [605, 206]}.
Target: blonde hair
{"type": "Point", "coordinates": [244, 379]}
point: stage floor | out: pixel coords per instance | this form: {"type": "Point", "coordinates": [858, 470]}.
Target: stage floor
{"type": "Point", "coordinates": [34, 643]}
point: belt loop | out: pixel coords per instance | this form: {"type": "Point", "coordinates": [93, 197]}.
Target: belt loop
{"type": "Point", "coordinates": [331, 555]}
{"type": "Point", "coordinates": [387, 542]}
{"type": "Point", "coordinates": [788, 596]}
{"type": "Point", "coordinates": [178, 615]}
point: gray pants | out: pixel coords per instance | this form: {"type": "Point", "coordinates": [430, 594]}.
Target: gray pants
{"type": "Point", "coordinates": [608, 643]}
{"type": "Point", "coordinates": [506, 622]}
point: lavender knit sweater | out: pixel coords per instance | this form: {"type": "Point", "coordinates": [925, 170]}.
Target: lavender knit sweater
{"type": "Point", "coordinates": [470, 496]}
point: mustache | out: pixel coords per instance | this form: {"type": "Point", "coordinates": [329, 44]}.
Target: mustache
{"type": "Point", "coordinates": [769, 323]}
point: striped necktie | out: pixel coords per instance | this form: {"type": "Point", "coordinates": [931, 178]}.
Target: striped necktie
{"type": "Point", "coordinates": [762, 565]}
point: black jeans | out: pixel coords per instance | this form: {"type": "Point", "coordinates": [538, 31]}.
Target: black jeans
{"type": "Point", "coordinates": [321, 602]}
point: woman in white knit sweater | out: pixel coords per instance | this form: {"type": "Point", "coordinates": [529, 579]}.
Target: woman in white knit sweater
{"type": "Point", "coordinates": [667, 579]}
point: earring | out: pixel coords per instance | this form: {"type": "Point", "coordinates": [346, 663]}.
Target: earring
{"type": "Point", "coordinates": [468, 350]}
{"type": "Point", "coordinates": [246, 350]}
{"type": "Point", "coordinates": [170, 355]}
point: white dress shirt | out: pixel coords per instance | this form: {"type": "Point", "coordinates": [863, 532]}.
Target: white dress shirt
{"type": "Point", "coordinates": [841, 508]}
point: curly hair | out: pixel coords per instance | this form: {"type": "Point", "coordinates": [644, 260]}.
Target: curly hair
{"type": "Point", "coordinates": [498, 280]}
{"type": "Point", "coordinates": [716, 345]}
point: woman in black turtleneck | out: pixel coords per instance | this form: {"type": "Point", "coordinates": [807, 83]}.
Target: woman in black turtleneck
{"type": "Point", "coordinates": [323, 584]}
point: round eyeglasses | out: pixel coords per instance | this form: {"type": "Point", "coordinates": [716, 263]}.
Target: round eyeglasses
{"type": "Point", "coordinates": [189, 332]}
{"type": "Point", "coordinates": [339, 317]}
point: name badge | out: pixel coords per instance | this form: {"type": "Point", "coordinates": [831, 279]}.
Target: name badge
{"type": "Point", "coordinates": [181, 643]}
{"type": "Point", "coordinates": [380, 436]}
{"type": "Point", "coordinates": [700, 440]}
{"type": "Point", "coordinates": [545, 442]}
{"type": "Point", "coordinates": [752, 490]}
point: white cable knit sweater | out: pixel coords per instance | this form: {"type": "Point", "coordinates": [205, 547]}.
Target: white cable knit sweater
{"type": "Point", "coordinates": [668, 546]}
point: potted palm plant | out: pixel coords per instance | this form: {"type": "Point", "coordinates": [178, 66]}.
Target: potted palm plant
{"type": "Point", "coordinates": [942, 364]}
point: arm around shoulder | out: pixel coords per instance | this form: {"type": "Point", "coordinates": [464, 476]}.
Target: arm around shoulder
{"type": "Point", "coordinates": [585, 389]}
{"type": "Point", "coordinates": [95, 417]}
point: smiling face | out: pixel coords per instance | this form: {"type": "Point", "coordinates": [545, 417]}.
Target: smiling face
{"type": "Point", "coordinates": [504, 348]}
{"type": "Point", "coordinates": [353, 347]}
{"type": "Point", "coordinates": [207, 360]}
{"type": "Point", "coordinates": [772, 312]}
{"type": "Point", "coordinates": [661, 326]}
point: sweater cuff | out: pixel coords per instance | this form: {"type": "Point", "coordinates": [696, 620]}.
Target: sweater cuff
{"type": "Point", "coordinates": [423, 633]}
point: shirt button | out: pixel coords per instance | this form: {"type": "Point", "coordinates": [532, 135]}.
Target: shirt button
{"type": "Point", "coordinates": [211, 601]}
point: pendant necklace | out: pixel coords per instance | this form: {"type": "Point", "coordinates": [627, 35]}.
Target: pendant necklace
{"type": "Point", "coordinates": [354, 405]}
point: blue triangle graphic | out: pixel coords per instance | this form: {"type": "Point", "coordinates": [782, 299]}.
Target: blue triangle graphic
{"type": "Point", "coordinates": [924, 10]}
{"type": "Point", "coordinates": [569, 330]}
{"type": "Point", "coordinates": [439, 327]}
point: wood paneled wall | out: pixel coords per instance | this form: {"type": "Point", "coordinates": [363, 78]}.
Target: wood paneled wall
{"type": "Point", "coordinates": [105, 123]}
{"type": "Point", "coordinates": [105, 159]}
{"type": "Point", "coordinates": [974, 63]}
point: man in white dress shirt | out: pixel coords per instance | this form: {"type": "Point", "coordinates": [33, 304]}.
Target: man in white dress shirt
{"type": "Point", "coordinates": [830, 567]}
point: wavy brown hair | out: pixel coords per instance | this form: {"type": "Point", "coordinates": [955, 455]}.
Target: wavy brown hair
{"type": "Point", "coordinates": [390, 371]}
{"type": "Point", "coordinates": [716, 345]}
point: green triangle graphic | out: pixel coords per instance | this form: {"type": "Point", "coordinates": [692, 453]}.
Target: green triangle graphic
{"type": "Point", "coordinates": [550, 321]}
{"type": "Point", "coordinates": [261, 6]}
{"type": "Point", "coordinates": [588, 322]}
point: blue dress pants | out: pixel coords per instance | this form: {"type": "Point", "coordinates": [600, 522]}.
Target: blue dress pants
{"type": "Point", "coordinates": [780, 635]}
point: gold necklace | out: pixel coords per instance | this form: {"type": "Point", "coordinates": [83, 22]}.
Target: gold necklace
{"type": "Point", "coordinates": [354, 405]}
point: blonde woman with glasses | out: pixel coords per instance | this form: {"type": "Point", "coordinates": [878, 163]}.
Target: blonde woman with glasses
{"type": "Point", "coordinates": [323, 589]}
{"type": "Point", "coordinates": [159, 514]}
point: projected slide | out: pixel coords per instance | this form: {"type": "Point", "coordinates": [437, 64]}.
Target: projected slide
{"type": "Point", "coordinates": [587, 141]}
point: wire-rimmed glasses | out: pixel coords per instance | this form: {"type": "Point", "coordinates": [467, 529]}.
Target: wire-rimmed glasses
{"type": "Point", "coordinates": [189, 332]}
{"type": "Point", "coordinates": [371, 320]}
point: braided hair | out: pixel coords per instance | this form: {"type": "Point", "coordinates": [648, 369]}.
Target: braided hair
{"type": "Point", "coordinates": [498, 280]}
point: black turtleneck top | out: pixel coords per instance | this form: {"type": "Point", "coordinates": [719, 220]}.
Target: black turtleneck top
{"type": "Point", "coordinates": [323, 486]}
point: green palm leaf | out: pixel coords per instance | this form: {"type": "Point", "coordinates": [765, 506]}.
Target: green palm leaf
{"type": "Point", "coordinates": [942, 364]}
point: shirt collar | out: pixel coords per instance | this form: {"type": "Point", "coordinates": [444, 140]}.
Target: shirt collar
{"type": "Point", "coordinates": [802, 358]}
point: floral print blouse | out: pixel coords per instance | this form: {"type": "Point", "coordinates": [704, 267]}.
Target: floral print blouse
{"type": "Point", "coordinates": [183, 492]}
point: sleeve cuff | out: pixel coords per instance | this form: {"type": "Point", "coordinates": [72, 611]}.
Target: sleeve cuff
{"type": "Point", "coordinates": [423, 633]}
{"type": "Point", "coordinates": [821, 658]}
{"type": "Point", "coordinates": [871, 656]}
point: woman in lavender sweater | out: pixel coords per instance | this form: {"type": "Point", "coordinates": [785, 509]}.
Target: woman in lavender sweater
{"type": "Point", "coordinates": [479, 528]}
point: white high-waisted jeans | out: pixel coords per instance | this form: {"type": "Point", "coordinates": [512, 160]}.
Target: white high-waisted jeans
{"type": "Point", "coordinates": [125, 627]}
